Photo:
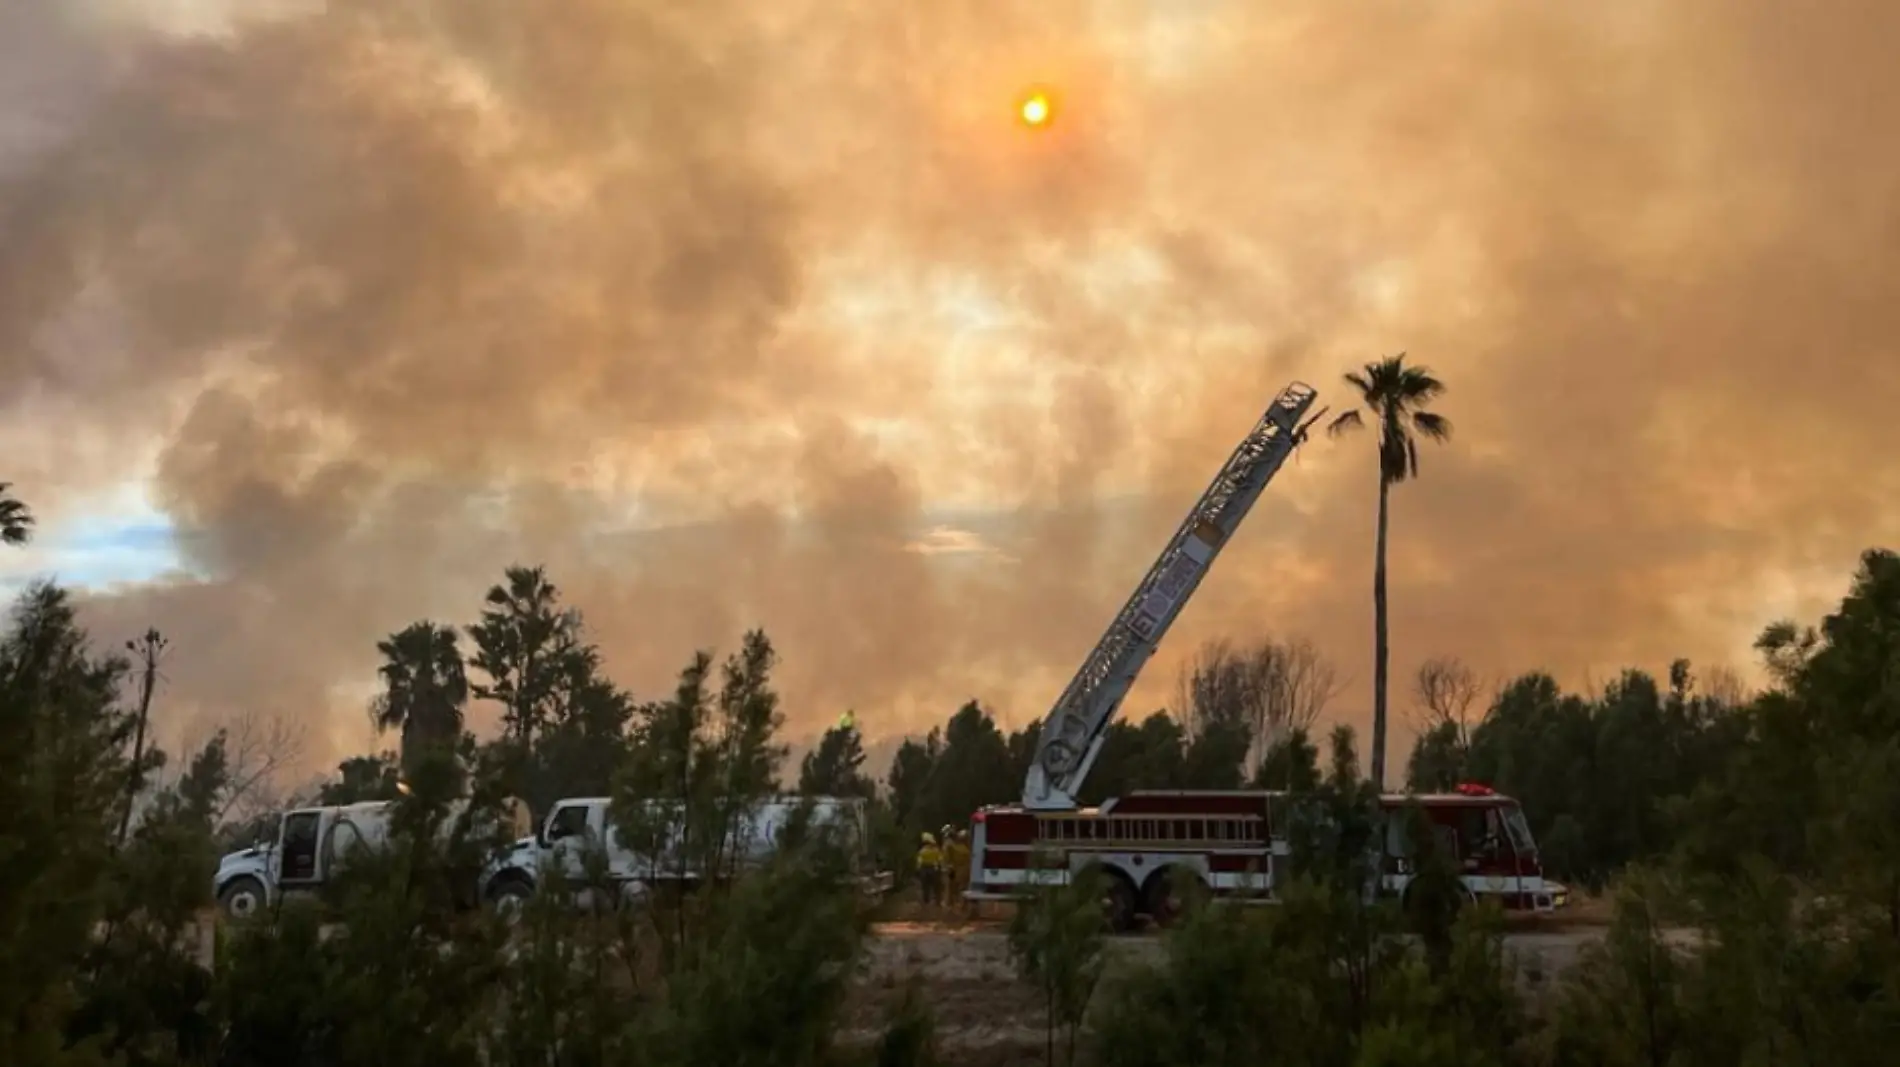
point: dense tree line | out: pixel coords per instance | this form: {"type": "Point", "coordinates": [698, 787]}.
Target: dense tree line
{"type": "Point", "coordinates": [1749, 841]}
{"type": "Point", "coordinates": [102, 955]}
{"type": "Point", "coordinates": [1597, 774]}
{"type": "Point", "coordinates": [1759, 923]}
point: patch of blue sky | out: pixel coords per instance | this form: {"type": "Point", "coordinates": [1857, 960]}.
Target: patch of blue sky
{"type": "Point", "coordinates": [99, 556]}
{"type": "Point", "coordinates": [121, 539]}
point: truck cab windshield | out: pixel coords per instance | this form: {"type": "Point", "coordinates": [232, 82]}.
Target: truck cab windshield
{"type": "Point", "coordinates": [1519, 830]}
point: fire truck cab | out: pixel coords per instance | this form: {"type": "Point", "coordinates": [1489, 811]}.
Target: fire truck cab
{"type": "Point", "coordinates": [1236, 846]}
{"type": "Point", "coordinates": [1489, 842]}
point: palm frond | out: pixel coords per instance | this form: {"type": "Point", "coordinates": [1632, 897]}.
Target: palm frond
{"type": "Point", "coordinates": [16, 521]}
{"type": "Point", "coordinates": [1394, 395]}
{"type": "Point", "coordinates": [1418, 384]}
{"type": "Point", "coordinates": [1385, 373]}
{"type": "Point", "coordinates": [383, 713]}
{"type": "Point", "coordinates": [1432, 424]}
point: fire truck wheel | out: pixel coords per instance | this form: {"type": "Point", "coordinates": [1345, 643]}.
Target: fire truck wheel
{"type": "Point", "coordinates": [1172, 893]}
{"type": "Point", "coordinates": [1118, 903]}
{"type": "Point", "coordinates": [242, 899]}
{"type": "Point", "coordinates": [634, 895]}
{"type": "Point", "coordinates": [1412, 903]}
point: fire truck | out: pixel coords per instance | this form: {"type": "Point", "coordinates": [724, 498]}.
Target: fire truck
{"type": "Point", "coordinates": [1232, 845]}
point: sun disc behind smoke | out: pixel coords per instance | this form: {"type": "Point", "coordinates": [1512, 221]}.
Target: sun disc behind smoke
{"type": "Point", "coordinates": [1036, 110]}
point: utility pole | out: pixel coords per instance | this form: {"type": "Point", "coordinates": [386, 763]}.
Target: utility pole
{"type": "Point", "coordinates": [148, 649]}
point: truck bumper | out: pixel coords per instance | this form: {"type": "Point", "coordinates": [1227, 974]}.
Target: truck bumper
{"type": "Point", "coordinates": [1552, 897]}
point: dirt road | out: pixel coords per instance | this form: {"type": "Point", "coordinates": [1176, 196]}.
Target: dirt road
{"type": "Point", "coordinates": [984, 1015]}
{"type": "Point", "coordinates": [939, 952]}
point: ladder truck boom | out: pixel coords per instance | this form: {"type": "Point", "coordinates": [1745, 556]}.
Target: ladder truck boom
{"type": "Point", "coordinates": [1073, 732]}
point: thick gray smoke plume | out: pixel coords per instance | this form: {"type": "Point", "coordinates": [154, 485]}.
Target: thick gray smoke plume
{"type": "Point", "coordinates": [772, 314]}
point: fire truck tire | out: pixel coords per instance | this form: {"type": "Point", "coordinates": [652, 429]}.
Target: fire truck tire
{"type": "Point", "coordinates": [1464, 899]}
{"type": "Point", "coordinates": [1164, 902]}
{"type": "Point", "coordinates": [1118, 903]}
{"type": "Point", "coordinates": [242, 899]}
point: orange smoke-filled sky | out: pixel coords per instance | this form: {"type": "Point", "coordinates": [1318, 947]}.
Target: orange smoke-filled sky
{"type": "Point", "coordinates": [777, 314]}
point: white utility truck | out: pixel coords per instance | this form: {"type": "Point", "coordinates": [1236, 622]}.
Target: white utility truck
{"type": "Point", "coordinates": [313, 844]}
{"type": "Point", "coordinates": [579, 825]}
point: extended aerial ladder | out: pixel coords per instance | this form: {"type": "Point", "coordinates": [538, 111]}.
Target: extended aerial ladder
{"type": "Point", "coordinates": [1073, 732]}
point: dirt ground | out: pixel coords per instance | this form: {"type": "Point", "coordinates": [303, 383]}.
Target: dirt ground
{"type": "Point", "coordinates": [984, 1015]}
{"type": "Point", "coordinates": [1582, 912]}
{"type": "Point", "coordinates": [982, 1012]}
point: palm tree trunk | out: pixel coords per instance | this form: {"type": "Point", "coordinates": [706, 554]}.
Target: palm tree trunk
{"type": "Point", "coordinates": [1381, 651]}
{"type": "Point", "coordinates": [148, 680]}
{"type": "Point", "coordinates": [408, 748]}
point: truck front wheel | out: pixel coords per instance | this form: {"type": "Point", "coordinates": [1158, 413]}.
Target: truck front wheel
{"type": "Point", "coordinates": [1118, 901]}
{"type": "Point", "coordinates": [508, 894]}
{"type": "Point", "coordinates": [243, 898]}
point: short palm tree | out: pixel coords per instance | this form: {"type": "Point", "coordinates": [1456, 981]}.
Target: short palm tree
{"type": "Point", "coordinates": [1393, 397]}
{"type": "Point", "coordinates": [16, 522]}
{"type": "Point", "coordinates": [425, 689]}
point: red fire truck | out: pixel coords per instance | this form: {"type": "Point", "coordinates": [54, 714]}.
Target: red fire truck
{"type": "Point", "coordinates": [1234, 843]}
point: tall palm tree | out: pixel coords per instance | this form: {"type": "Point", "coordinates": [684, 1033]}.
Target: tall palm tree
{"type": "Point", "coordinates": [1393, 398]}
{"type": "Point", "coordinates": [16, 522]}
{"type": "Point", "coordinates": [425, 689]}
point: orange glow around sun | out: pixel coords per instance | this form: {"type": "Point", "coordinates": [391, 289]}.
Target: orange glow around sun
{"type": "Point", "coordinates": [1036, 110]}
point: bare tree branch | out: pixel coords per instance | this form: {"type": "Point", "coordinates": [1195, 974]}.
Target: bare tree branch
{"type": "Point", "coordinates": [1271, 687]}
{"type": "Point", "coordinates": [1300, 682]}
{"type": "Point", "coordinates": [1212, 688]}
{"type": "Point", "coordinates": [260, 749]}
{"type": "Point", "coordinates": [1444, 691]}
{"type": "Point", "coordinates": [1724, 688]}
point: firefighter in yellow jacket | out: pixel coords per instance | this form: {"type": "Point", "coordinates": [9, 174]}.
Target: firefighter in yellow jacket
{"type": "Point", "coordinates": [956, 866]}
{"type": "Point", "coordinates": [930, 871]}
